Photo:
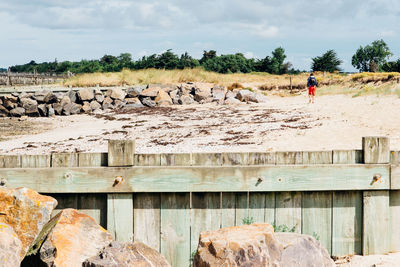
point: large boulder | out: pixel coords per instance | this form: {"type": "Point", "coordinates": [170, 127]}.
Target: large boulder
{"type": "Point", "coordinates": [126, 255]}
{"type": "Point", "coordinates": [65, 100]}
{"type": "Point", "coordinates": [74, 237]}
{"type": "Point", "coordinates": [148, 102]}
{"type": "Point", "coordinates": [116, 93]}
{"type": "Point", "coordinates": [10, 247]}
{"type": "Point", "coordinates": [85, 94]}
{"type": "Point", "coordinates": [186, 100]}
{"type": "Point", "coordinates": [246, 245]}
{"type": "Point", "coordinates": [50, 98]}
{"type": "Point", "coordinates": [175, 95]}
{"type": "Point", "coordinates": [94, 105]}
{"type": "Point", "coordinates": [43, 110]}
{"type": "Point", "coordinates": [302, 251]}
{"type": "Point", "coordinates": [151, 91]}
{"type": "Point", "coordinates": [3, 111]}
{"type": "Point", "coordinates": [218, 94]}
{"type": "Point", "coordinates": [26, 212]}
{"type": "Point", "coordinates": [71, 109]}
{"type": "Point", "coordinates": [30, 106]}
{"type": "Point", "coordinates": [40, 95]}
{"type": "Point", "coordinates": [202, 93]}
{"type": "Point", "coordinates": [86, 107]}
{"type": "Point", "coordinates": [257, 98]}
{"type": "Point", "coordinates": [10, 101]}
{"type": "Point", "coordinates": [17, 112]}
{"type": "Point", "coordinates": [244, 95]}
{"type": "Point", "coordinates": [163, 99]}
{"type": "Point", "coordinates": [133, 102]}
{"type": "Point", "coordinates": [72, 95]}
{"type": "Point", "coordinates": [135, 91]}
{"type": "Point", "coordinates": [232, 101]}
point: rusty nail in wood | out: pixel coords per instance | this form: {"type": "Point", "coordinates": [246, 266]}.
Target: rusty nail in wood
{"type": "Point", "coordinates": [118, 180]}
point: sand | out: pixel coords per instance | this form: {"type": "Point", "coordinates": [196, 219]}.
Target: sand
{"type": "Point", "coordinates": [284, 123]}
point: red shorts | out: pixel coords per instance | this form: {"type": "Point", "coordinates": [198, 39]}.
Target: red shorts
{"type": "Point", "coordinates": [311, 90]}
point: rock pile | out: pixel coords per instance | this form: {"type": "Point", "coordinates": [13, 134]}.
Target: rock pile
{"type": "Point", "coordinates": [87, 100]}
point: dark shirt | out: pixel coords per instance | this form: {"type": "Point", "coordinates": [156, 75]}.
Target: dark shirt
{"type": "Point", "coordinates": [312, 81]}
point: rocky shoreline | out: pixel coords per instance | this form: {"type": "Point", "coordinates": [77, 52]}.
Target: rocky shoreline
{"type": "Point", "coordinates": [88, 100]}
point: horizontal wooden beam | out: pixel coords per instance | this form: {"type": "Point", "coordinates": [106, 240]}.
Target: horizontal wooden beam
{"type": "Point", "coordinates": [201, 179]}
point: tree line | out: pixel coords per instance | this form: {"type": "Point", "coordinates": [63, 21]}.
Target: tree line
{"type": "Point", "coordinates": [371, 58]}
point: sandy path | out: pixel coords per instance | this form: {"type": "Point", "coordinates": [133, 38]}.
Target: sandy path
{"type": "Point", "coordinates": [285, 123]}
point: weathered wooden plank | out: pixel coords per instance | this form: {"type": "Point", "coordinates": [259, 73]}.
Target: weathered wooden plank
{"type": "Point", "coordinates": [317, 216]}
{"type": "Point", "coordinates": [317, 157]}
{"type": "Point", "coordinates": [395, 157]}
{"type": "Point", "coordinates": [235, 159]}
{"type": "Point", "coordinates": [228, 210]}
{"type": "Point", "coordinates": [147, 160]}
{"type": "Point", "coordinates": [200, 179]}
{"type": "Point", "coordinates": [347, 223]}
{"type": "Point", "coordinates": [288, 210]}
{"type": "Point", "coordinates": [376, 228]}
{"type": "Point", "coordinates": [94, 205]}
{"type": "Point", "coordinates": [182, 159]}
{"type": "Point", "coordinates": [120, 216]}
{"type": "Point", "coordinates": [359, 156]}
{"type": "Point", "coordinates": [395, 170]}
{"type": "Point", "coordinates": [257, 207]}
{"type": "Point", "coordinates": [205, 215]}
{"type": "Point", "coordinates": [376, 149]}
{"type": "Point", "coordinates": [344, 156]}
{"type": "Point", "coordinates": [261, 158]}
{"type": "Point", "coordinates": [206, 159]}
{"type": "Point", "coordinates": [10, 161]}
{"type": "Point", "coordinates": [92, 159]}
{"type": "Point", "coordinates": [147, 220]}
{"type": "Point", "coordinates": [289, 157]}
{"type": "Point", "coordinates": [65, 201]}
{"type": "Point", "coordinates": [241, 208]}
{"type": "Point", "coordinates": [35, 161]}
{"type": "Point", "coordinates": [269, 208]}
{"type": "Point", "coordinates": [175, 228]}
{"type": "Point", "coordinates": [121, 152]}
{"type": "Point", "coordinates": [64, 160]}
{"type": "Point", "coordinates": [394, 203]}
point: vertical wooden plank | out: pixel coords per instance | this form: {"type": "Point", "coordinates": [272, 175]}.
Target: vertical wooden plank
{"type": "Point", "coordinates": [317, 157]}
{"type": "Point", "coordinates": [376, 230]}
{"type": "Point", "coordinates": [10, 161]}
{"type": "Point", "coordinates": [121, 152]}
{"type": "Point", "coordinates": [147, 160]}
{"type": "Point", "coordinates": [228, 211]}
{"type": "Point", "coordinates": [257, 206]}
{"type": "Point", "coordinates": [344, 156]}
{"type": "Point", "coordinates": [347, 223]}
{"type": "Point", "coordinates": [317, 217]}
{"type": "Point", "coordinates": [206, 159]}
{"type": "Point", "coordinates": [120, 206]}
{"type": "Point", "coordinates": [232, 159]}
{"type": "Point", "coordinates": [181, 159]}
{"type": "Point", "coordinates": [394, 220]}
{"type": "Point", "coordinates": [205, 215]}
{"type": "Point", "coordinates": [288, 210]}
{"type": "Point", "coordinates": [35, 161]}
{"type": "Point", "coordinates": [120, 216]}
{"type": "Point", "coordinates": [64, 160]}
{"type": "Point", "coordinates": [359, 156]}
{"type": "Point", "coordinates": [289, 157]}
{"type": "Point", "coordinates": [376, 150]}
{"type": "Point", "coordinates": [94, 205]}
{"type": "Point", "coordinates": [270, 208]}
{"type": "Point", "coordinates": [92, 159]}
{"type": "Point", "coordinates": [261, 158]}
{"type": "Point", "coordinates": [241, 208]}
{"type": "Point", "coordinates": [175, 228]}
{"type": "Point", "coordinates": [147, 220]}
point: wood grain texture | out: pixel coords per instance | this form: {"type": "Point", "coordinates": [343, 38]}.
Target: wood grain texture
{"type": "Point", "coordinates": [376, 228]}
{"type": "Point", "coordinates": [228, 209]}
{"type": "Point", "coordinates": [92, 159]}
{"type": "Point", "coordinates": [269, 208]}
{"type": "Point", "coordinates": [147, 159]}
{"type": "Point", "coordinates": [288, 210]}
{"type": "Point", "coordinates": [121, 152]}
{"type": "Point", "coordinates": [317, 217]}
{"type": "Point", "coordinates": [394, 220]}
{"type": "Point", "coordinates": [10, 161]}
{"type": "Point", "coordinates": [232, 159]}
{"type": "Point", "coordinates": [200, 179]}
{"type": "Point", "coordinates": [35, 161]}
{"type": "Point", "coordinates": [241, 208]}
{"type": "Point", "coordinates": [206, 159]}
{"type": "Point", "coordinates": [257, 206]}
{"type": "Point", "coordinates": [94, 205]}
{"type": "Point", "coordinates": [395, 170]}
{"type": "Point", "coordinates": [64, 160]}
{"type": "Point", "coordinates": [289, 157]}
{"type": "Point", "coordinates": [175, 228]}
{"type": "Point", "coordinates": [317, 157]}
{"type": "Point", "coordinates": [182, 159]}
{"type": "Point", "coordinates": [120, 216]}
{"type": "Point", "coordinates": [262, 158]}
{"type": "Point", "coordinates": [347, 223]}
{"type": "Point", "coordinates": [344, 156]}
{"type": "Point", "coordinates": [376, 150]}
{"type": "Point", "coordinates": [147, 219]}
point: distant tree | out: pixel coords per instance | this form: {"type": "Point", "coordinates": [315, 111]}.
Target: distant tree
{"type": "Point", "coordinates": [125, 61]}
{"type": "Point", "coordinates": [186, 61]}
{"type": "Point", "coordinates": [329, 61]}
{"type": "Point", "coordinates": [229, 64]}
{"type": "Point", "coordinates": [392, 66]}
{"type": "Point", "coordinates": [278, 57]}
{"type": "Point", "coordinates": [208, 55]}
{"type": "Point", "coordinates": [366, 57]}
{"type": "Point", "coordinates": [167, 60]}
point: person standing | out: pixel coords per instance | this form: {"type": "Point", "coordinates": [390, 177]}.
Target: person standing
{"type": "Point", "coordinates": [311, 84]}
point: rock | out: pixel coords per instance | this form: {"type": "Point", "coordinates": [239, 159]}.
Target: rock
{"type": "Point", "coordinates": [175, 96]}
{"type": "Point", "coordinates": [218, 94]}
{"type": "Point", "coordinates": [126, 255]}
{"type": "Point", "coordinates": [133, 103]}
{"type": "Point", "coordinates": [94, 105]}
{"type": "Point", "coordinates": [10, 247]}
{"type": "Point", "coordinates": [246, 245]}
{"type": "Point", "coordinates": [1, 101]}
{"type": "Point", "coordinates": [16, 94]}
{"type": "Point", "coordinates": [72, 95]}
{"type": "Point", "coordinates": [302, 251]}
{"type": "Point", "coordinates": [50, 111]}
{"type": "Point", "coordinates": [71, 109]}
{"type": "Point", "coordinates": [148, 102]}
{"type": "Point", "coordinates": [135, 91]}
{"type": "Point", "coordinates": [257, 98]}
{"type": "Point", "coordinates": [24, 95]}
{"type": "Point", "coordinates": [150, 92]}
{"type": "Point", "coordinates": [232, 101]}
{"type": "Point", "coordinates": [40, 95]}
{"type": "Point", "coordinates": [30, 106]}
{"type": "Point", "coordinates": [186, 88]}
{"type": "Point", "coordinates": [17, 112]}
{"type": "Point", "coordinates": [65, 100]}
{"type": "Point", "coordinates": [57, 108]}
{"type": "Point", "coordinates": [26, 212]}
{"type": "Point", "coordinates": [10, 101]}
{"type": "Point", "coordinates": [99, 98]}
{"type": "Point", "coordinates": [85, 94]}
{"type": "Point", "coordinates": [118, 103]}
{"type": "Point", "coordinates": [42, 110]}
{"type": "Point", "coordinates": [86, 107]}
{"type": "Point", "coordinates": [202, 93]}
{"type": "Point", "coordinates": [50, 98]}
{"type": "Point", "coordinates": [186, 100]}
{"type": "Point", "coordinates": [244, 95]}
{"type": "Point", "coordinates": [74, 238]}
{"type": "Point", "coordinates": [117, 93]}
{"type": "Point", "coordinates": [3, 111]}
{"type": "Point", "coordinates": [230, 94]}
{"type": "Point", "coordinates": [163, 98]}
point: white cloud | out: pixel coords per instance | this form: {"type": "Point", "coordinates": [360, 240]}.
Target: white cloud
{"type": "Point", "coordinates": [248, 54]}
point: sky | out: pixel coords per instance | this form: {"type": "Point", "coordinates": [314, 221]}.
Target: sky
{"type": "Point", "coordinates": [45, 30]}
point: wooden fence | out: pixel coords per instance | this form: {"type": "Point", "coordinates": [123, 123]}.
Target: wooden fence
{"type": "Point", "coordinates": [11, 78]}
{"type": "Point", "coordinates": [350, 199]}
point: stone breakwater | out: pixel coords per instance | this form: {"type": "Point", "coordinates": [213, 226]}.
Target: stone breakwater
{"type": "Point", "coordinates": [88, 100]}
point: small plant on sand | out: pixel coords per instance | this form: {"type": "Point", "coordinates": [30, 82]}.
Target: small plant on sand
{"type": "Point", "coordinates": [284, 228]}
{"type": "Point", "coordinates": [235, 86]}
{"type": "Point", "coordinates": [248, 220]}
{"type": "Point", "coordinates": [192, 255]}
